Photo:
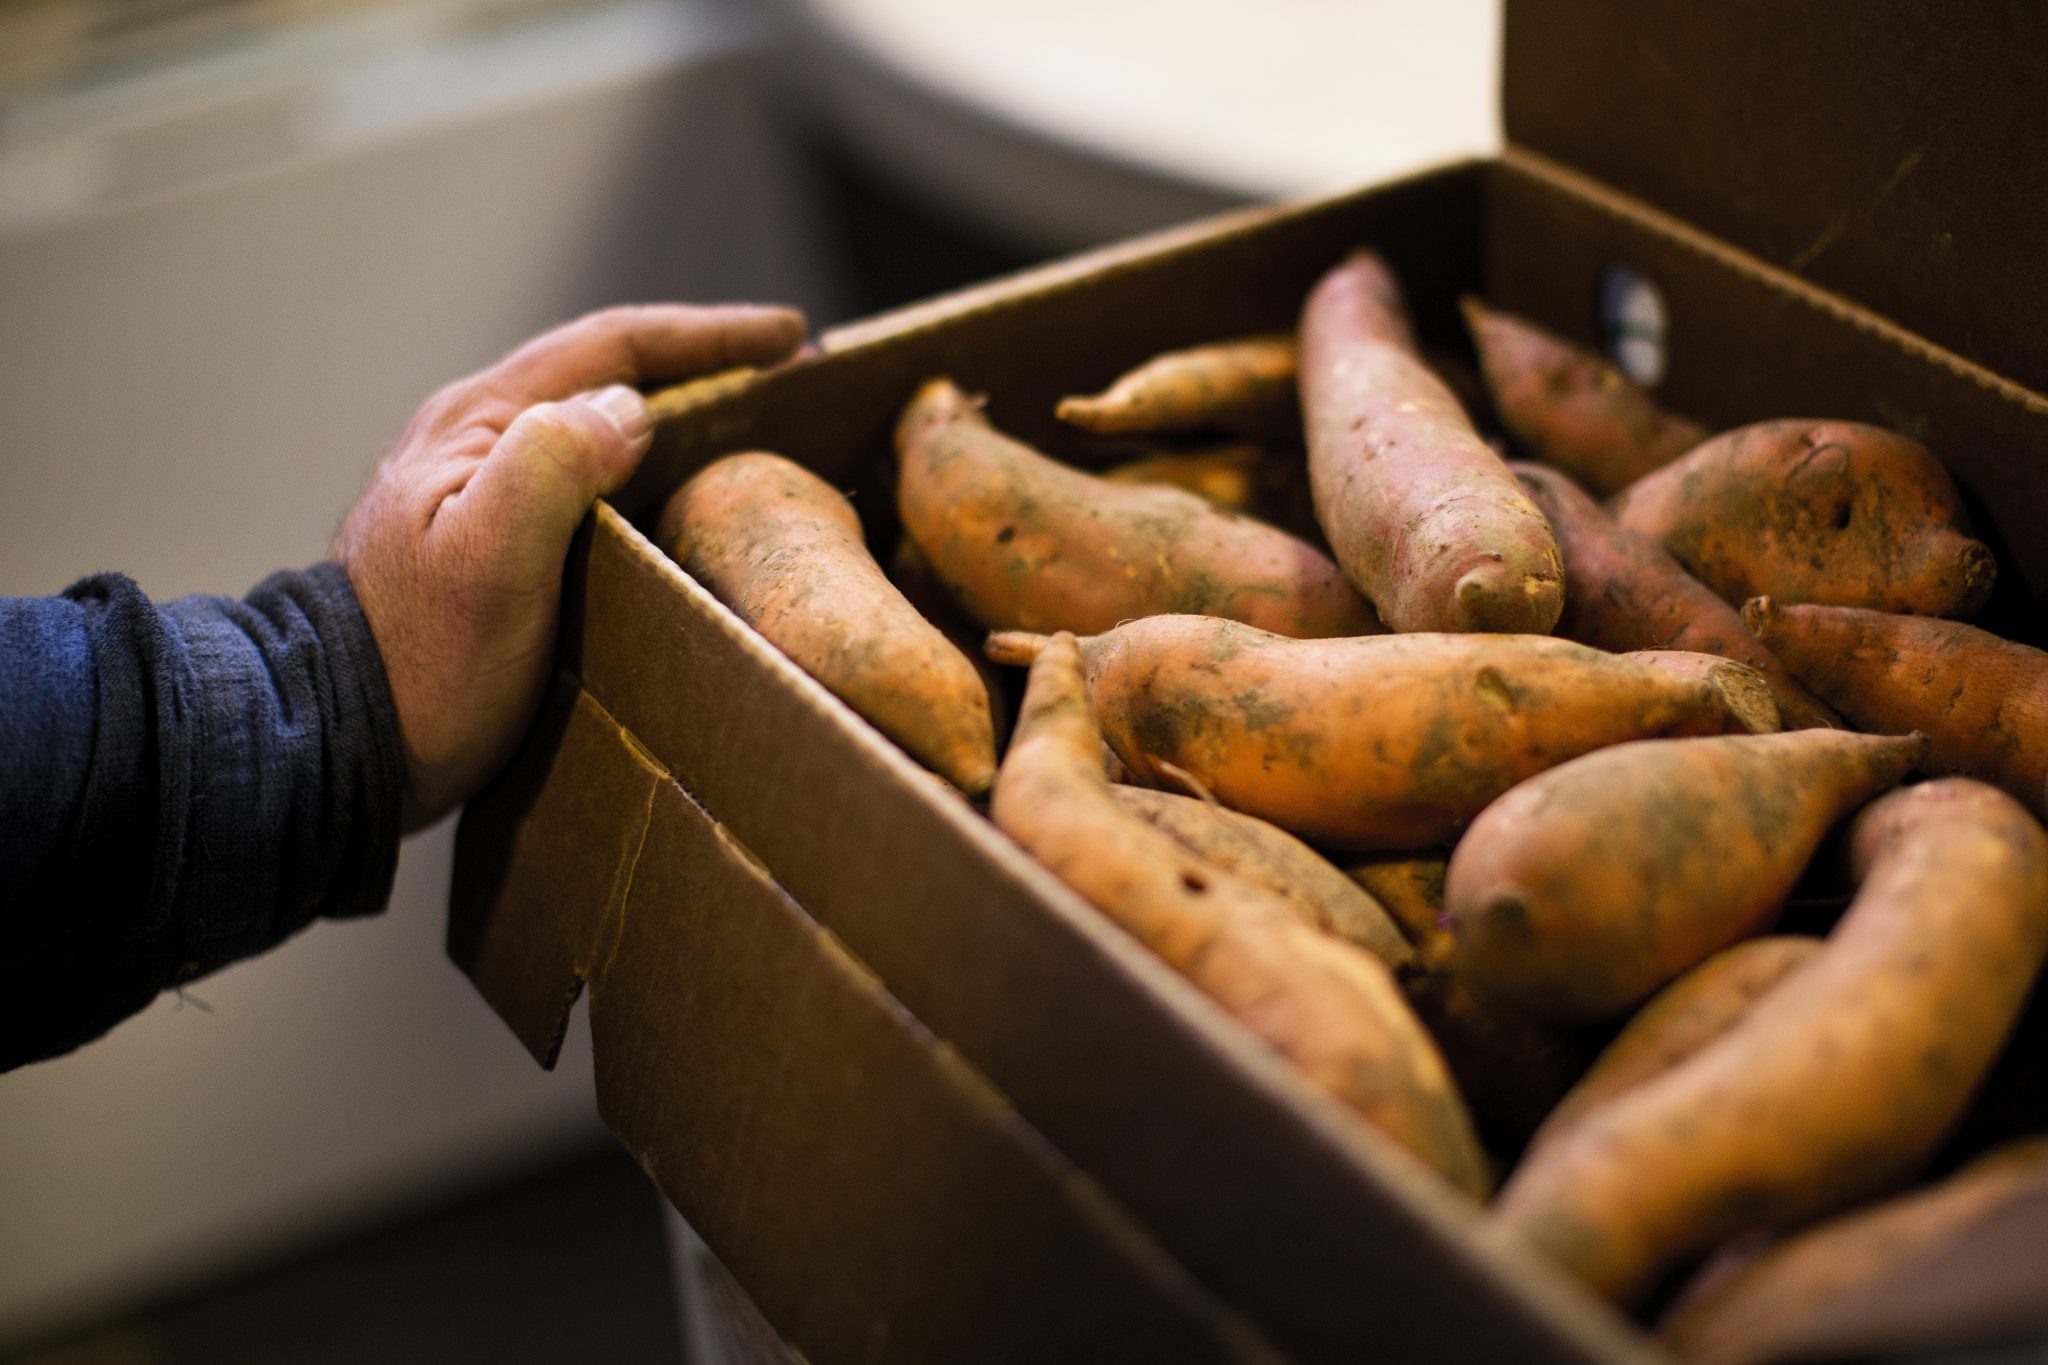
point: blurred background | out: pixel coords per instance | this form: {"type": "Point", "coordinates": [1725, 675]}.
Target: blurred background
{"type": "Point", "coordinates": [240, 240]}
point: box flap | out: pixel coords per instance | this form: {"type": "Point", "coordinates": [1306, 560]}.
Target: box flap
{"type": "Point", "coordinates": [875, 1195]}
{"type": "Point", "coordinates": [1887, 151]}
{"type": "Point", "coordinates": [544, 858]}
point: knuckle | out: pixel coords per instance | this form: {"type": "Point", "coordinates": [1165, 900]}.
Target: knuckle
{"type": "Point", "coordinates": [447, 403]}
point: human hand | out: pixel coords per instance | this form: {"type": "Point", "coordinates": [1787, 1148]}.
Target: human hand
{"type": "Point", "coordinates": [456, 549]}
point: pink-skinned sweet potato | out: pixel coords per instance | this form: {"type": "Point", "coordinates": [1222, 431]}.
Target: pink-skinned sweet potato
{"type": "Point", "coordinates": [1421, 514]}
{"type": "Point", "coordinates": [1571, 409]}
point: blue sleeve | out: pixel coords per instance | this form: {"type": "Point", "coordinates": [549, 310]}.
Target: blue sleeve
{"type": "Point", "coordinates": [180, 787]}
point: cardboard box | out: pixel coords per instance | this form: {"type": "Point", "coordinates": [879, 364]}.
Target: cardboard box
{"type": "Point", "coordinates": [924, 1102]}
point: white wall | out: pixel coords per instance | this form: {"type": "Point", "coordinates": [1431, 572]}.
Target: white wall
{"type": "Point", "coordinates": [197, 371]}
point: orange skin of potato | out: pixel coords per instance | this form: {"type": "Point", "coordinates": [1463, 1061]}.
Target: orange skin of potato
{"type": "Point", "coordinates": [1580, 893]}
{"type": "Point", "coordinates": [1981, 700]}
{"type": "Point", "coordinates": [923, 590]}
{"type": "Point", "coordinates": [1331, 1009]}
{"type": "Point", "coordinates": [1411, 891]}
{"type": "Point", "coordinates": [1681, 1019]}
{"type": "Point", "coordinates": [1268, 855]}
{"type": "Point", "coordinates": [1225, 476]}
{"type": "Point", "coordinates": [1745, 696]}
{"type": "Point", "coordinates": [1812, 511]}
{"type": "Point", "coordinates": [1384, 742]}
{"type": "Point", "coordinates": [1423, 516]}
{"type": "Point", "coordinates": [1246, 383]}
{"type": "Point", "coordinates": [1512, 1070]}
{"type": "Point", "coordinates": [783, 549]}
{"type": "Point", "coordinates": [1027, 543]}
{"type": "Point", "coordinates": [1624, 591]}
{"type": "Point", "coordinates": [1749, 1311]}
{"type": "Point", "coordinates": [1569, 408]}
{"type": "Point", "coordinates": [1836, 1083]}
{"type": "Point", "coordinates": [1266, 482]}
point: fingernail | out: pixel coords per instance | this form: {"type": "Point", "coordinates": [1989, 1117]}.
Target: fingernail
{"type": "Point", "coordinates": [626, 408]}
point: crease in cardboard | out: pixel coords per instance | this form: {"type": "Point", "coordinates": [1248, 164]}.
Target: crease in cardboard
{"type": "Point", "coordinates": [613, 930]}
{"type": "Point", "coordinates": [1676, 230]}
{"type": "Point", "coordinates": [529, 945]}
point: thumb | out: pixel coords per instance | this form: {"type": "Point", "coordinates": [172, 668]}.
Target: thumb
{"type": "Point", "coordinates": [539, 480]}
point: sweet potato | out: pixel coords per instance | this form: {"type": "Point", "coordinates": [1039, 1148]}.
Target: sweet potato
{"type": "Point", "coordinates": [1025, 542]}
{"type": "Point", "coordinates": [1265, 481]}
{"type": "Point", "coordinates": [783, 549]}
{"type": "Point", "coordinates": [1569, 408]}
{"type": "Point", "coordinates": [1684, 1017]}
{"type": "Point", "coordinates": [1241, 385]}
{"type": "Point", "coordinates": [1382, 742]}
{"type": "Point", "coordinates": [1331, 1009]}
{"type": "Point", "coordinates": [1421, 514]}
{"type": "Point", "coordinates": [1411, 891]}
{"type": "Point", "coordinates": [1226, 476]}
{"type": "Point", "coordinates": [1834, 1084]}
{"type": "Point", "coordinates": [1271, 857]}
{"type": "Point", "coordinates": [1981, 700]}
{"type": "Point", "coordinates": [1811, 511]}
{"type": "Point", "coordinates": [1745, 696]}
{"type": "Point", "coordinates": [1582, 891]}
{"type": "Point", "coordinates": [1623, 591]}
{"type": "Point", "coordinates": [1748, 1312]}
{"type": "Point", "coordinates": [1511, 1070]}
{"type": "Point", "coordinates": [923, 590]}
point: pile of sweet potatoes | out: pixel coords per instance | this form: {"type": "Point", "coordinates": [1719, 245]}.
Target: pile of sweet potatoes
{"type": "Point", "coordinates": [1579, 730]}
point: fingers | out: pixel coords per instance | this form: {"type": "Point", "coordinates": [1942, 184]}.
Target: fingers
{"type": "Point", "coordinates": [641, 343]}
{"type": "Point", "coordinates": [541, 477]}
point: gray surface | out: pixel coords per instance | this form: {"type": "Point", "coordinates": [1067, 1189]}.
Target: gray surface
{"type": "Point", "coordinates": [568, 1264]}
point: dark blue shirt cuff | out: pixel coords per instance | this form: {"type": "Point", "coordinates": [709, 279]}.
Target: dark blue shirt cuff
{"type": "Point", "coordinates": [181, 787]}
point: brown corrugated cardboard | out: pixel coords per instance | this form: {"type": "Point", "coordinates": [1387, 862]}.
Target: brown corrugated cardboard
{"type": "Point", "coordinates": [906, 1083]}
{"type": "Point", "coordinates": [869, 1189]}
{"type": "Point", "coordinates": [1885, 150]}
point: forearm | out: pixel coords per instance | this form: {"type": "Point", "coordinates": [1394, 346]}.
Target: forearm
{"type": "Point", "coordinates": [180, 787]}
